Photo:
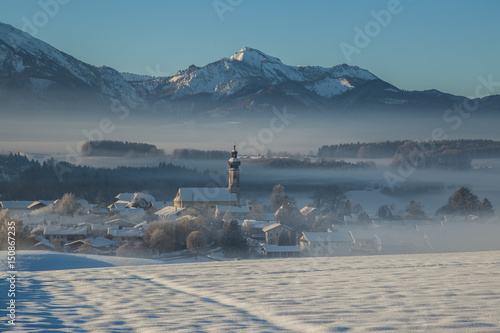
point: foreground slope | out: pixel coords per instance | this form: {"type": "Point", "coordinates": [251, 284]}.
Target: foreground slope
{"type": "Point", "coordinates": [454, 292]}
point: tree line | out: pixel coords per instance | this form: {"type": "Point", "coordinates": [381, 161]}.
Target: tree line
{"type": "Point", "coordinates": [456, 154]}
{"type": "Point", "coordinates": [120, 148]}
{"type": "Point", "coordinates": [52, 179]}
{"type": "Point", "coordinates": [195, 154]}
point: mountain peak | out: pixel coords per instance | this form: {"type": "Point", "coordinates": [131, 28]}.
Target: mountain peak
{"type": "Point", "coordinates": [253, 57]}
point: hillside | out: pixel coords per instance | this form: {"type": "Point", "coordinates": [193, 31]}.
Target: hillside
{"type": "Point", "coordinates": [429, 292]}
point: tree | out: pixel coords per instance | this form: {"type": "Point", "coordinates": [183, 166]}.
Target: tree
{"type": "Point", "coordinates": [385, 212]}
{"type": "Point", "coordinates": [257, 211]}
{"type": "Point", "coordinates": [290, 215]}
{"type": "Point", "coordinates": [67, 205]}
{"type": "Point", "coordinates": [363, 217]}
{"type": "Point", "coordinates": [8, 224]}
{"type": "Point", "coordinates": [461, 202]}
{"type": "Point", "coordinates": [196, 243]}
{"type": "Point", "coordinates": [331, 196]}
{"type": "Point", "coordinates": [279, 197]}
{"type": "Point", "coordinates": [125, 250]}
{"type": "Point", "coordinates": [348, 208]}
{"type": "Point", "coordinates": [233, 243]}
{"type": "Point", "coordinates": [486, 208]}
{"type": "Point", "coordinates": [415, 210]}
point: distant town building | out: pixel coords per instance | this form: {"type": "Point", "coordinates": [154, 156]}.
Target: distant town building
{"type": "Point", "coordinates": [209, 197]}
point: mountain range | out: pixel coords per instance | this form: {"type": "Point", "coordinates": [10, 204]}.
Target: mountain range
{"type": "Point", "coordinates": [36, 77]}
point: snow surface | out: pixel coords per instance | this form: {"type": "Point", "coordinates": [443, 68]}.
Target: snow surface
{"type": "Point", "coordinates": [452, 292]}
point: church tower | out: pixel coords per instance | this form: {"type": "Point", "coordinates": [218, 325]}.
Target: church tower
{"type": "Point", "coordinates": [234, 173]}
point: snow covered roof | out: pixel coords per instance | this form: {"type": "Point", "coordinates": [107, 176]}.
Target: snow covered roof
{"type": "Point", "coordinates": [130, 211]}
{"type": "Point", "coordinates": [169, 211]}
{"type": "Point", "coordinates": [98, 211]}
{"type": "Point", "coordinates": [15, 204]}
{"type": "Point", "coordinates": [137, 195]}
{"type": "Point", "coordinates": [205, 194]}
{"type": "Point", "coordinates": [257, 224]}
{"type": "Point", "coordinates": [45, 241]}
{"type": "Point", "coordinates": [40, 204]}
{"type": "Point", "coordinates": [70, 220]}
{"type": "Point", "coordinates": [273, 226]}
{"type": "Point", "coordinates": [125, 232]}
{"type": "Point", "coordinates": [328, 236]}
{"type": "Point", "coordinates": [49, 230]}
{"type": "Point", "coordinates": [120, 204]}
{"type": "Point", "coordinates": [120, 222]}
{"type": "Point", "coordinates": [95, 242]}
{"type": "Point", "coordinates": [125, 196]}
{"type": "Point", "coordinates": [234, 209]}
{"type": "Point", "coordinates": [307, 210]}
{"type": "Point", "coordinates": [276, 248]}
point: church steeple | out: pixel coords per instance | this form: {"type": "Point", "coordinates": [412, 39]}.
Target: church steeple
{"type": "Point", "coordinates": [234, 173]}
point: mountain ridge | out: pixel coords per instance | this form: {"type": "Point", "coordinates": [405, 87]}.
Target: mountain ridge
{"type": "Point", "coordinates": [36, 76]}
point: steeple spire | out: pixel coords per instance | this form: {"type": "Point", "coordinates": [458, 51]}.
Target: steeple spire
{"type": "Point", "coordinates": [234, 172]}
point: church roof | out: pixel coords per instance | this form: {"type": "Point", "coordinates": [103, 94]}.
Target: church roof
{"type": "Point", "coordinates": [205, 194]}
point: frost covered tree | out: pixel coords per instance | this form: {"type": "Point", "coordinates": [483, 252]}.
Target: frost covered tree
{"type": "Point", "coordinates": [67, 205]}
{"type": "Point", "coordinates": [486, 208]}
{"type": "Point", "coordinates": [464, 202]}
{"type": "Point", "coordinates": [196, 243]}
{"type": "Point", "coordinates": [279, 198]}
{"type": "Point", "coordinates": [415, 210]}
{"type": "Point", "coordinates": [8, 224]}
{"type": "Point", "coordinates": [385, 212]}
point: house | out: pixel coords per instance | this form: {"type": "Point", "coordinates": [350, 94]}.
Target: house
{"type": "Point", "coordinates": [122, 235]}
{"type": "Point", "coordinates": [253, 228]}
{"type": "Point", "coordinates": [169, 213]}
{"type": "Point", "coordinates": [120, 222]}
{"type": "Point", "coordinates": [204, 197]}
{"type": "Point", "coordinates": [16, 207]}
{"type": "Point", "coordinates": [45, 244]}
{"type": "Point", "coordinates": [65, 234]}
{"type": "Point", "coordinates": [274, 231]}
{"type": "Point", "coordinates": [318, 244]}
{"type": "Point", "coordinates": [275, 251]}
{"type": "Point", "coordinates": [236, 212]}
{"type": "Point", "coordinates": [310, 213]}
{"type": "Point", "coordinates": [366, 242]}
{"type": "Point", "coordinates": [40, 204]}
{"type": "Point", "coordinates": [101, 244]}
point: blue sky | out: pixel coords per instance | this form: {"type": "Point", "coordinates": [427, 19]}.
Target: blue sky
{"type": "Point", "coordinates": [427, 44]}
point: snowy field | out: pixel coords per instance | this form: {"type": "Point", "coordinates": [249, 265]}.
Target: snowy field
{"type": "Point", "coordinates": [453, 292]}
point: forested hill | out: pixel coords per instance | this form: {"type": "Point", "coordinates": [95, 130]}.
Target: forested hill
{"type": "Point", "coordinates": [470, 149]}
{"type": "Point", "coordinates": [120, 148]}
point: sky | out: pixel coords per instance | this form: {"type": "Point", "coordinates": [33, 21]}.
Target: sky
{"type": "Point", "coordinates": [416, 45]}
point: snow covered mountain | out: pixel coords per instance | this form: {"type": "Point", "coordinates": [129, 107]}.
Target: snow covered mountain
{"type": "Point", "coordinates": [37, 77]}
{"type": "Point", "coordinates": [34, 73]}
{"type": "Point", "coordinates": [253, 79]}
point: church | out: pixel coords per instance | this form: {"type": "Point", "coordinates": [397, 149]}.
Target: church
{"type": "Point", "coordinates": [209, 197]}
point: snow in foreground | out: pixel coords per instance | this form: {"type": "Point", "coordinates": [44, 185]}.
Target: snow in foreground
{"type": "Point", "coordinates": [451, 292]}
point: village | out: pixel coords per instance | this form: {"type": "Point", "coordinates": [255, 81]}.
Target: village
{"type": "Point", "coordinates": [126, 227]}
